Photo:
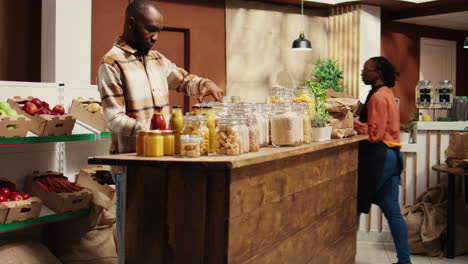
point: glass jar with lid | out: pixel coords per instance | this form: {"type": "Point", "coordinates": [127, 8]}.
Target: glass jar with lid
{"type": "Point", "coordinates": [154, 144]}
{"type": "Point", "coordinates": [252, 124]}
{"type": "Point", "coordinates": [424, 94]}
{"type": "Point", "coordinates": [196, 125]}
{"type": "Point", "coordinates": [263, 124]}
{"type": "Point", "coordinates": [190, 146]}
{"type": "Point", "coordinates": [276, 95]}
{"type": "Point", "coordinates": [207, 112]}
{"type": "Point", "coordinates": [444, 94]}
{"type": "Point", "coordinates": [158, 121]}
{"type": "Point", "coordinates": [176, 124]}
{"type": "Point", "coordinates": [305, 95]}
{"type": "Point", "coordinates": [228, 138]}
{"type": "Point", "coordinates": [244, 133]}
{"type": "Point", "coordinates": [303, 111]}
{"type": "Point", "coordinates": [140, 142]}
{"type": "Point", "coordinates": [169, 140]}
{"type": "Point", "coordinates": [286, 126]}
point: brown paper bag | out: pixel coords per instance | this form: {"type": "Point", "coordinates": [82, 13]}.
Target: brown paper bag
{"type": "Point", "coordinates": [457, 155]}
{"type": "Point", "coordinates": [341, 105]}
{"type": "Point", "coordinates": [342, 124]}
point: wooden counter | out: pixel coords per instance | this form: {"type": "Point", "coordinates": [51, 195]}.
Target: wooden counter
{"type": "Point", "coordinates": [280, 205]}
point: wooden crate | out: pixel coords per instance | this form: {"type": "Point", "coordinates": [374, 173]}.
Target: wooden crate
{"type": "Point", "coordinates": [21, 126]}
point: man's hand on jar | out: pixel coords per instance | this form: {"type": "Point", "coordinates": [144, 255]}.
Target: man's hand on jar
{"type": "Point", "coordinates": [210, 88]}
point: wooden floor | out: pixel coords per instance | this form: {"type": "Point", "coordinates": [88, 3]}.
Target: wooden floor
{"type": "Point", "coordinates": [384, 253]}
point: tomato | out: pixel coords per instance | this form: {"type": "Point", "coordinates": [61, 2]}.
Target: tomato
{"type": "Point", "coordinates": [5, 191]}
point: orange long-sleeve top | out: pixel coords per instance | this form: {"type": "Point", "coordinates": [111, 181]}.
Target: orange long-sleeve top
{"type": "Point", "coordinates": [383, 119]}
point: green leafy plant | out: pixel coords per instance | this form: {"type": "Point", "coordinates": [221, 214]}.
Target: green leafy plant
{"type": "Point", "coordinates": [321, 116]}
{"type": "Point", "coordinates": [327, 73]}
{"type": "Point", "coordinates": [409, 127]}
{"type": "Point", "coordinates": [320, 119]}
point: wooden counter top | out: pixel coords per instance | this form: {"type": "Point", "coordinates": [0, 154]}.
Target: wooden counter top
{"type": "Point", "coordinates": [264, 155]}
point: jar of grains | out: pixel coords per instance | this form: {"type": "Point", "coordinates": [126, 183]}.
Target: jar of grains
{"type": "Point", "coordinates": [190, 146]}
{"type": "Point", "coordinates": [252, 124]}
{"type": "Point", "coordinates": [244, 133]}
{"type": "Point", "coordinates": [286, 126]}
{"type": "Point", "coordinates": [228, 139]}
{"type": "Point", "coordinates": [196, 125]}
{"type": "Point", "coordinates": [263, 124]}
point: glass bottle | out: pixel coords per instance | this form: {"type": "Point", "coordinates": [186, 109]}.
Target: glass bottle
{"type": "Point", "coordinates": [207, 111]}
{"type": "Point", "coordinates": [140, 142]}
{"type": "Point", "coordinates": [228, 139]}
{"type": "Point", "coordinates": [190, 146]}
{"type": "Point", "coordinates": [305, 95]}
{"type": "Point", "coordinates": [176, 124]}
{"type": "Point", "coordinates": [158, 121]}
{"type": "Point", "coordinates": [444, 94]}
{"type": "Point", "coordinates": [286, 126]}
{"type": "Point", "coordinates": [169, 140]}
{"type": "Point", "coordinates": [154, 144]}
{"type": "Point", "coordinates": [424, 94]}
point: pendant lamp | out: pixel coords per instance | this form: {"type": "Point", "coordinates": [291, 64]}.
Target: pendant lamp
{"type": "Point", "coordinates": [465, 45]}
{"type": "Point", "coordinates": [302, 43]}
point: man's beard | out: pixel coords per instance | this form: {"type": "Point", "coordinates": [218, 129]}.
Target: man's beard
{"type": "Point", "coordinates": [139, 44]}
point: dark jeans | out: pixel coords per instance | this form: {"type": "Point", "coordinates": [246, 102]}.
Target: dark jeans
{"type": "Point", "coordinates": [387, 199]}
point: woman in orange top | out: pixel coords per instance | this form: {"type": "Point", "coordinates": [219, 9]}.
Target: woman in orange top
{"type": "Point", "coordinates": [380, 160]}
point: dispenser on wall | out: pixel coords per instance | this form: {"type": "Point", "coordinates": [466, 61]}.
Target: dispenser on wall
{"type": "Point", "coordinates": [424, 94]}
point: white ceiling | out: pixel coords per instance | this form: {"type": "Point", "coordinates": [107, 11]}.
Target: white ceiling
{"type": "Point", "coordinates": [457, 21]}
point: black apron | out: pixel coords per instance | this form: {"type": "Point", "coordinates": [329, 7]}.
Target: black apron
{"type": "Point", "coordinates": [370, 164]}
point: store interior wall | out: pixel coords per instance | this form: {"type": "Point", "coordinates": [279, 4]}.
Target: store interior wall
{"type": "Point", "coordinates": [20, 40]}
{"type": "Point", "coordinates": [204, 19]}
{"type": "Point", "coordinates": [401, 45]}
{"type": "Point", "coordinates": [258, 41]}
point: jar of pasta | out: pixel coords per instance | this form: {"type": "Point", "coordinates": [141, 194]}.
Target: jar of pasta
{"type": "Point", "coordinates": [190, 146]}
{"type": "Point", "coordinates": [304, 95]}
{"type": "Point", "coordinates": [228, 139]}
{"type": "Point", "coordinates": [196, 125]}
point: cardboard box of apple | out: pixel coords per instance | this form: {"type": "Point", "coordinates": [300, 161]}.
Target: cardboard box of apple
{"type": "Point", "coordinates": [16, 206]}
{"type": "Point", "coordinates": [12, 124]}
{"type": "Point", "coordinates": [89, 111]}
{"type": "Point", "coordinates": [44, 121]}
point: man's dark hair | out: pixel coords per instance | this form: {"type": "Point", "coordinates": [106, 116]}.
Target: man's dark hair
{"type": "Point", "coordinates": [135, 8]}
{"type": "Point", "coordinates": [389, 74]}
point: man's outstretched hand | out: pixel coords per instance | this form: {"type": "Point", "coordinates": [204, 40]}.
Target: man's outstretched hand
{"type": "Point", "coordinates": [210, 88]}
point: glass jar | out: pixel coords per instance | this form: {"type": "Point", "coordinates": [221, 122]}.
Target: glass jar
{"type": "Point", "coordinates": [196, 125]}
{"type": "Point", "coordinates": [305, 95]}
{"type": "Point", "coordinates": [303, 110]}
{"type": "Point", "coordinates": [244, 133]}
{"type": "Point", "coordinates": [154, 144]}
{"type": "Point", "coordinates": [444, 94]}
{"type": "Point", "coordinates": [207, 112]}
{"type": "Point", "coordinates": [140, 142]}
{"type": "Point", "coordinates": [176, 124]}
{"type": "Point", "coordinates": [232, 99]}
{"type": "Point", "coordinates": [263, 124]}
{"type": "Point", "coordinates": [190, 146]}
{"type": "Point", "coordinates": [286, 126]}
{"type": "Point", "coordinates": [168, 138]}
{"type": "Point", "coordinates": [158, 121]}
{"type": "Point", "coordinates": [197, 110]}
{"type": "Point", "coordinates": [252, 124]}
{"type": "Point", "coordinates": [424, 94]}
{"type": "Point", "coordinates": [276, 95]}
{"type": "Point", "coordinates": [228, 139]}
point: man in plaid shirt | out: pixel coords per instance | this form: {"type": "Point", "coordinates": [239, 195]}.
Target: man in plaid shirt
{"type": "Point", "coordinates": [133, 79]}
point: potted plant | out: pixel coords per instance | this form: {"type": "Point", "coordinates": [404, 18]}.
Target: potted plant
{"type": "Point", "coordinates": [407, 130]}
{"type": "Point", "coordinates": [327, 73]}
{"type": "Point", "coordinates": [320, 131]}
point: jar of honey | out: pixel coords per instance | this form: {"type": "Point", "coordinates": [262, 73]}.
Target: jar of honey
{"type": "Point", "coordinates": [140, 142]}
{"type": "Point", "coordinates": [168, 138]}
{"type": "Point", "coordinates": [154, 144]}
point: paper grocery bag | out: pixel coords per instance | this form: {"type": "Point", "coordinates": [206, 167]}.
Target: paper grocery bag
{"type": "Point", "coordinates": [457, 155]}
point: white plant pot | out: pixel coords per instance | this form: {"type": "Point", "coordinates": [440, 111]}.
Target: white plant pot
{"type": "Point", "coordinates": [405, 137]}
{"type": "Point", "coordinates": [320, 133]}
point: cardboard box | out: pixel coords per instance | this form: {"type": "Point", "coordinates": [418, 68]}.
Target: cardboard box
{"type": "Point", "coordinates": [20, 210]}
{"type": "Point", "coordinates": [20, 122]}
{"type": "Point", "coordinates": [58, 202]}
{"type": "Point", "coordinates": [86, 179]}
{"type": "Point", "coordinates": [95, 120]}
{"type": "Point", "coordinates": [44, 125]}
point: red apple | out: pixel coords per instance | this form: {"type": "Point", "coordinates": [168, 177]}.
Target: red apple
{"type": "Point", "coordinates": [15, 196]}
{"type": "Point", "coordinates": [2, 198]}
{"type": "Point", "coordinates": [5, 191]}
{"type": "Point", "coordinates": [31, 108]}
{"type": "Point", "coordinates": [43, 111]}
{"type": "Point", "coordinates": [37, 102]}
{"type": "Point", "coordinates": [59, 109]}
{"type": "Point", "coordinates": [26, 196]}
{"type": "Point", "coordinates": [54, 113]}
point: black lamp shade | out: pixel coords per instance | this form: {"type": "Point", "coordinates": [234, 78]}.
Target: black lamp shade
{"type": "Point", "coordinates": [301, 43]}
{"type": "Point", "coordinates": [465, 45]}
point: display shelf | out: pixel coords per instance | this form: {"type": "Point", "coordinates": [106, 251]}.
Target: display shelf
{"type": "Point", "coordinates": [47, 216]}
{"type": "Point", "coordinates": [105, 135]}
{"type": "Point", "coordinates": [47, 139]}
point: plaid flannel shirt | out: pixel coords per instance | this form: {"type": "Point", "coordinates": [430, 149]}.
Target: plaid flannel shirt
{"type": "Point", "coordinates": [131, 85]}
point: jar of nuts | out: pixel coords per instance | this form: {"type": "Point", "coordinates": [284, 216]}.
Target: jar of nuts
{"type": "Point", "coordinates": [190, 146]}
{"type": "Point", "coordinates": [228, 138]}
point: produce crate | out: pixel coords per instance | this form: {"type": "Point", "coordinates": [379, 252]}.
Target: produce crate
{"type": "Point", "coordinates": [14, 126]}
{"type": "Point", "coordinates": [95, 120]}
{"type": "Point", "coordinates": [44, 125]}
{"type": "Point", "coordinates": [58, 202]}
{"type": "Point", "coordinates": [86, 179]}
{"type": "Point", "coordinates": [18, 210]}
